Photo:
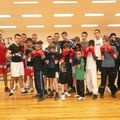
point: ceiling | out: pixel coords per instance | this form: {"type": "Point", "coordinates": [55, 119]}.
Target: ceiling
{"type": "Point", "coordinates": [47, 9]}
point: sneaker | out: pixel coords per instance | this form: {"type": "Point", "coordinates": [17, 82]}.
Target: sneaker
{"type": "Point", "coordinates": [76, 96]}
{"type": "Point", "coordinates": [7, 89]}
{"type": "Point", "coordinates": [63, 97]}
{"type": "Point", "coordinates": [88, 94]}
{"type": "Point", "coordinates": [114, 96]}
{"type": "Point", "coordinates": [94, 97]}
{"type": "Point", "coordinates": [101, 96]}
{"type": "Point", "coordinates": [81, 98]}
{"type": "Point", "coordinates": [35, 96]}
{"type": "Point", "coordinates": [46, 93]}
{"type": "Point", "coordinates": [30, 90]}
{"type": "Point", "coordinates": [41, 99]}
{"type": "Point", "coordinates": [56, 96]}
{"type": "Point", "coordinates": [10, 94]}
{"type": "Point", "coordinates": [51, 94]}
{"type": "Point", "coordinates": [67, 94]}
{"type": "Point", "coordinates": [15, 87]}
{"type": "Point", "coordinates": [108, 89]}
{"type": "Point", "coordinates": [72, 90]}
{"type": "Point", "coordinates": [23, 91]}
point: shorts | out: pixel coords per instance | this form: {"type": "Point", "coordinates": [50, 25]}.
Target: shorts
{"type": "Point", "coordinates": [17, 69]}
{"type": "Point", "coordinates": [63, 78]}
{"type": "Point", "coordinates": [29, 71]}
{"type": "Point", "coordinates": [51, 72]}
{"type": "Point", "coordinates": [3, 69]}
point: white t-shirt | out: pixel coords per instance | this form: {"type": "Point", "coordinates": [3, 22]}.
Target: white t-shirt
{"type": "Point", "coordinates": [98, 44]}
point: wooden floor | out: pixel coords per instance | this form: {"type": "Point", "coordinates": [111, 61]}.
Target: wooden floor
{"type": "Point", "coordinates": [23, 107]}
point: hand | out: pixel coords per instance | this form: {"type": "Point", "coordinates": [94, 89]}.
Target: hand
{"type": "Point", "coordinates": [56, 61]}
{"type": "Point", "coordinates": [79, 66]}
{"type": "Point", "coordinates": [115, 56]}
{"type": "Point", "coordinates": [47, 61]}
{"type": "Point", "coordinates": [102, 57]}
{"type": "Point", "coordinates": [70, 60]}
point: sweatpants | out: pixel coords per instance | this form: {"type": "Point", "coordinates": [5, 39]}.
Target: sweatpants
{"type": "Point", "coordinates": [99, 63]}
{"type": "Point", "coordinates": [107, 72]}
{"type": "Point", "coordinates": [80, 88]}
{"type": "Point", "coordinates": [91, 80]}
{"type": "Point", "coordinates": [39, 83]}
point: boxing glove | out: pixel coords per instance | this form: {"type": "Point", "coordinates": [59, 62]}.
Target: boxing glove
{"type": "Point", "coordinates": [64, 53]}
{"type": "Point", "coordinates": [40, 53]}
{"type": "Point", "coordinates": [33, 53]}
{"type": "Point", "coordinates": [87, 51]}
{"type": "Point", "coordinates": [102, 49]}
{"type": "Point", "coordinates": [71, 53]}
{"type": "Point", "coordinates": [111, 50]}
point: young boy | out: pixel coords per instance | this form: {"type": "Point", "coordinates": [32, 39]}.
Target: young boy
{"type": "Point", "coordinates": [91, 75]}
{"type": "Point", "coordinates": [79, 74]}
{"type": "Point", "coordinates": [65, 74]}
{"type": "Point", "coordinates": [29, 67]}
{"type": "Point", "coordinates": [52, 61]}
{"type": "Point", "coordinates": [38, 57]}
{"type": "Point", "coordinates": [108, 65]}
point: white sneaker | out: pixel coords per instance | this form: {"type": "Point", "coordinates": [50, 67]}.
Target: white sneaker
{"type": "Point", "coordinates": [108, 89]}
{"type": "Point", "coordinates": [30, 90]}
{"type": "Point", "coordinates": [63, 97]}
{"type": "Point", "coordinates": [76, 96]}
{"type": "Point", "coordinates": [67, 94]}
{"type": "Point", "coordinates": [15, 87]}
{"type": "Point", "coordinates": [81, 98]}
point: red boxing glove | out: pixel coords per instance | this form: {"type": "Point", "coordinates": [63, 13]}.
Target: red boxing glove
{"type": "Point", "coordinates": [102, 49]}
{"type": "Point", "coordinates": [40, 53]}
{"type": "Point", "coordinates": [111, 51]}
{"type": "Point", "coordinates": [92, 50]}
{"type": "Point", "coordinates": [87, 51]}
{"type": "Point", "coordinates": [71, 53]}
{"type": "Point", "coordinates": [34, 53]}
{"type": "Point", "coordinates": [64, 53]}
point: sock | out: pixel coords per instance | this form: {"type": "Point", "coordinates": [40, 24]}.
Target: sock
{"type": "Point", "coordinates": [11, 91]}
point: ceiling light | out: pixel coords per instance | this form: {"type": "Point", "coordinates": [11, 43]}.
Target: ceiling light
{"type": "Point", "coordinates": [31, 15]}
{"type": "Point", "coordinates": [103, 1]}
{"type": "Point", "coordinates": [35, 26]}
{"type": "Point", "coordinates": [5, 16]}
{"type": "Point", "coordinates": [93, 14]}
{"type": "Point", "coordinates": [63, 15]}
{"type": "Point", "coordinates": [89, 25]}
{"type": "Point", "coordinates": [7, 26]}
{"type": "Point", "coordinates": [62, 26]}
{"type": "Point", "coordinates": [113, 25]}
{"type": "Point", "coordinates": [117, 14]}
{"type": "Point", "coordinates": [65, 2]}
{"type": "Point", "coordinates": [26, 2]}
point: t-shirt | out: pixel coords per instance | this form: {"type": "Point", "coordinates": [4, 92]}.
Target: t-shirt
{"type": "Point", "coordinates": [2, 54]}
{"type": "Point", "coordinates": [79, 72]}
{"type": "Point", "coordinates": [16, 52]}
{"type": "Point", "coordinates": [108, 59]}
{"type": "Point", "coordinates": [51, 57]}
{"type": "Point", "coordinates": [98, 44]}
{"type": "Point", "coordinates": [38, 63]}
